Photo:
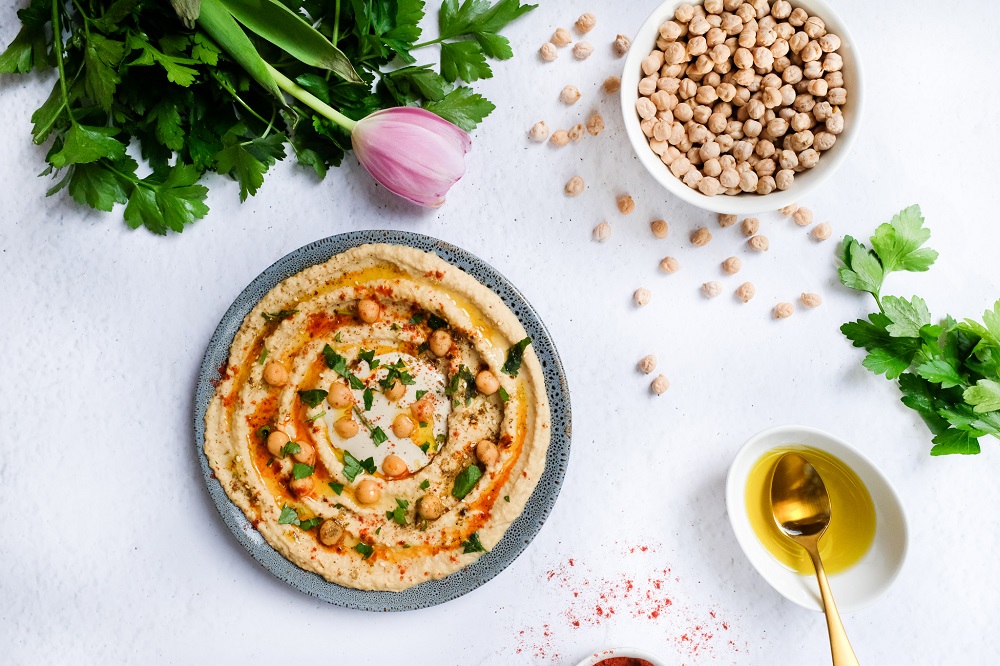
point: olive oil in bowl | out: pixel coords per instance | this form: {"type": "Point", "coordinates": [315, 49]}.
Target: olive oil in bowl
{"type": "Point", "coordinates": [852, 525]}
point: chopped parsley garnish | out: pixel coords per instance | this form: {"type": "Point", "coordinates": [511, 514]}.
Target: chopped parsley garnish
{"type": "Point", "coordinates": [398, 515]}
{"type": "Point", "coordinates": [436, 322]}
{"type": "Point", "coordinates": [365, 550]}
{"type": "Point", "coordinates": [288, 516]}
{"type": "Point", "coordinates": [337, 487]}
{"type": "Point", "coordinates": [338, 364]}
{"type": "Point", "coordinates": [368, 357]}
{"type": "Point", "coordinates": [423, 347]}
{"type": "Point", "coordinates": [406, 545]}
{"type": "Point", "coordinates": [514, 357]}
{"type": "Point", "coordinates": [425, 484]}
{"type": "Point", "coordinates": [290, 449]}
{"type": "Point", "coordinates": [263, 356]}
{"type": "Point", "coordinates": [278, 316]}
{"type": "Point", "coordinates": [264, 431]}
{"type": "Point", "coordinates": [378, 436]}
{"type": "Point", "coordinates": [301, 470]}
{"type": "Point", "coordinates": [336, 338]}
{"type": "Point", "coordinates": [463, 375]}
{"type": "Point", "coordinates": [425, 447]}
{"type": "Point", "coordinates": [466, 481]}
{"type": "Point", "coordinates": [503, 394]}
{"type": "Point", "coordinates": [368, 464]}
{"type": "Point", "coordinates": [506, 498]}
{"type": "Point", "coordinates": [423, 424]}
{"type": "Point", "coordinates": [312, 397]}
{"type": "Point", "coordinates": [352, 466]}
{"type": "Point", "coordinates": [369, 396]}
{"type": "Point", "coordinates": [416, 319]}
{"type": "Point", "coordinates": [440, 439]}
{"type": "Point", "coordinates": [421, 393]}
{"type": "Point", "coordinates": [315, 416]}
{"type": "Point", "coordinates": [378, 530]}
{"type": "Point", "coordinates": [397, 371]}
{"type": "Point", "coordinates": [473, 545]}
{"type": "Point", "coordinates": [310, 523]}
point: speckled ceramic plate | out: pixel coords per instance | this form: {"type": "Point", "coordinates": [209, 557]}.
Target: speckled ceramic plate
{"type": "Point", "coordinates": [520, 533]}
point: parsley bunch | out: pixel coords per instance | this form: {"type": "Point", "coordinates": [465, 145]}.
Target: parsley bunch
{"type": "Point", "coordinates": [948, 372]}
{"type": "Point", "coordinates": [143, 105]}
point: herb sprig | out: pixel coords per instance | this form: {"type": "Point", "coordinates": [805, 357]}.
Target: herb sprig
{"type": "Point", "coordinates": [948, 372]}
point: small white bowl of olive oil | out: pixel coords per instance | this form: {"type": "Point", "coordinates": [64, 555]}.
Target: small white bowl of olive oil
{"type": "Point", "coordinates": [863, 549]}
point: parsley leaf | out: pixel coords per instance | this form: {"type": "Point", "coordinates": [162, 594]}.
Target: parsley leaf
{"type": "Point", "coordinates": [310, 523]}
{"type": "Point", "coordinates": [473, 544]}
{"type": "Point", "coordinates": [290, 449]}
{"type": "Point", "coordinates": [378, 436]}
{"type": "Point", "coordinates": [514, 357]}
{"type": "Point", "coordinates": [861, 269]}
{"type": "Point", "coordinates": [369, 398]}
{"type": "Point", "coordinates": [264, 431]}
{"type": "Point", "coordinates": [416, 319]}
{"type": "Point", "coordinates": [336, 487]}
{"type": "Point", "coordinates": [398, 515]}
{"type": "Point", "coordinates": [421, 393]}
{"type": "Point", "coordinates": [338, 364]}
{"type": "Point", "coordinates": [464, 60]}
{"type": "Point", "coordinates": [368, 464]}
{"type": "Point", "coordinates": [368, 357]}
{"type": "Point", "coordinates": [907, 316]}
{"type": "Point", "coordinates": [503, 394]}
{"type": "Point", "coordinates": [466, 481]}
{"type": "Point", "coordinates": [279, 315]}
{"type": "Point", "coordinates": [288, 516]}
{"type": "Point", "coordinates": [352, 466]}
{"type": "Point", "coordinates": [365, 550]}
{"type": "Point", "coordinates": [984, 396]}
{"type": "Point", "coordinates": [301, 471]}
{"type": "Point", "coordinates": [463, 107]}
{"type": "Point", "coordinates": [425, 484]}
{"type": "Point", "coordinates": [897, 243]}
{"type": "Point", "coordinates": [312, 397]}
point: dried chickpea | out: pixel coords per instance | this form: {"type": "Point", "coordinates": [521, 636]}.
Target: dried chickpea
{"type": "Point", "coordinates": [612, 84]}
{"type": "Point", "coordinates": [822, 231]}
{"type": "Point", "coordinates": [647, 364]}
{"type": "Point", "coordinates": [711, 289]}
{"type": "Point", "coordinates": [548, 52]}
{"type": "Point", "coordinates": [625, 204]}
{"type": "Point", "coordinates": [569, 95]}
{"type": "Point", "coordinates": [621, 45]}
{"type": "Point", "coordinates": [575, 133]}
{"type": "Point", "coordinates": [789, 210]}
{"type": "Point", "coordinates": [745, 292]}
{"type": "Point", "coordinates": [726, 220]}
{"type": "Point", "coordinates": [803, 217]}
{"type": "Point", "coordinates": [602, 232]}
{"type": "Point", "coordinates": [750, 226]}
{"type": "Point", "coordinates": [811, 300]}
{"type": "Point", "coordinates": [582, 50]}
{"type": "Point", "coordinates": [701, 236]}
{"type": "Point", "coordinates": [783, 310]}
{"type": "Point", "coordinates": [559, 138]}
{"type": "Point", "coordinates": [539, 132]}
{"type": "Point", "coordinates": [586, 23]}
{"type": "Point", "coordinates": [660, 385]}
{"type": "Point", "coordinates": [642, 296]}
{"type": "Point", "coordinates": [669, 265]}
{"type": "Point", "coordinates": [575, 186]}
{"type": "Point", "coordinates": [758, 243]}
{"type": "Point", "coordinates": [595, 124]}
{"type": "Point", "coordinates": [659, 228]}
{"type": "Point", "coordinates": [732, 265]}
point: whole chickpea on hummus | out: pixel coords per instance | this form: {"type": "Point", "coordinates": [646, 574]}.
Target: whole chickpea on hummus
{"type": "Point", "coordinates": [382, 418]}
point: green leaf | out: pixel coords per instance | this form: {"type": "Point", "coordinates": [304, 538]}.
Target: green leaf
{"type": "Point", "coordinates": [898, 242]}
{"type": "Point", "coordinates": [861, 270]}
{"type": "Point", "coordinates": [279, 315]}
{"type": "Point", "coordinates": [169, 130]}
{"type": "Point", "coordinates": [365, 550]}
{"type": "Point", "coordinates": [96, 186]}
{"type": "Point", "coordinates": [290, 449]}
{"type": "Point", "coordinates": [205, 50]}
{"type": "Point", "coordinates": [84, 144]}
{"type": "Point", "coordinates": [435, 322]}
{"type": "Point", "coordinates": [102, 57]}
{"type": "Point", "coordinates": [503, 394]}
{"type": "Point", "coordinates": [425, 484]}
{"type": "Point", "coordinates": [220, 25]}
{"type": "Point", "coordinates": [954, 441]}
{"type": "Point", "coordinates": [515, 355]}
{"type": "Point", "coordinates": [234, 159]}
{"type": "Point", "coordinates": [369, 398]}
{"type": "Point", "coordinates": [473, 544]}
{"type": "Point", "coordinates": [466, 481]}
{"type": "Point", "coordinates": [310, 523]}
{"type": "Point", "coordinates": [368, 464]}
{"type": "Point", "coordinates": [478, 16]}
{"type": "Point", "coordinates": [301, 471]}
{"type": "Point", "coordinates": [885, 360]}
{"type": "Point", "coordinates": [418, 81]}
{"type": "Point", "coordinates": [378, 436]}
{"type": "Point", "coordinates": [336, 487]}
{"type": "Point", "coordinates": [29, 49]}
{"type": "Point", "coordinates": [48, 115]}
{"type": "Point", "coordinates": [494, 46]}
{"type": "Point", "coordinates": [940, 371]}
{"type": "Point", "coordinates": [907, 316]}
{"type": "Point", "coordinates": [167, 203]}
{"type": "Point", "coordinates": [463, 107]}
{"type": "Point", "coordinates": [984, 396]}
{"type": "Point", "coordinates": [464, 60]}
{"type": "Point", "coordinates": [176, 66]}
{"type": "Point", "coordinates": [989, 330]}
{"type": "Point", "coordinates": [312, 397]}
{"type": "Point", "coordinates": [288, 516]}
{"type": "Point", "coordinates": [352, 466]}
{"type": "Point", "coordinates": [288, 31]}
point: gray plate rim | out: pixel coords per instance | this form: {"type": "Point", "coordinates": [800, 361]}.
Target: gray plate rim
{"type": "Point", "coordinates": [521, 532]}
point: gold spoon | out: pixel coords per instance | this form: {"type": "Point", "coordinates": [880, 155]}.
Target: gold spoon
{"type": "Point", "coordinates": [801, 508]}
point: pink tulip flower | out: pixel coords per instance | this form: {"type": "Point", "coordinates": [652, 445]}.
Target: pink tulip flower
{"type": "Point", "coordinates": [412, 152]}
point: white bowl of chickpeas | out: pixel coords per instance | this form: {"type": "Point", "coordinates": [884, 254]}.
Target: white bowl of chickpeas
{"type": "Point", "coordinates": [742, 107]}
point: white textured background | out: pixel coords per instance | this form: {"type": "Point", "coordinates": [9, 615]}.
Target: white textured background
{"type": "Point", "coordinates": [110, 548]}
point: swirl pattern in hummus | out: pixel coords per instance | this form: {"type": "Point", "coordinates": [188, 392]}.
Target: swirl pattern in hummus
{"type": "Point", "coordinates": [331, 501]}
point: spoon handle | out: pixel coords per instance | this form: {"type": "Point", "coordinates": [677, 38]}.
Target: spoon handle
{"type": "Point", "coordinates": [843, 654]}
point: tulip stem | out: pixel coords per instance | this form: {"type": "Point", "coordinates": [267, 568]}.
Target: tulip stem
{"type": "Point", "coordinates": [310, 100]}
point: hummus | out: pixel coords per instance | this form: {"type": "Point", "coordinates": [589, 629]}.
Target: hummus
{"type": "Point", "coordinates": [382, 418]}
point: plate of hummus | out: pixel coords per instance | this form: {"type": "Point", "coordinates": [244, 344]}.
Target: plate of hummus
{"type": "Point", "coordinates": [382, 420]}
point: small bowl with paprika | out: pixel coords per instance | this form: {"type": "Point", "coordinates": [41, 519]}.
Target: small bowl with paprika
{"type": "Point", "coordinates": [622, 657]}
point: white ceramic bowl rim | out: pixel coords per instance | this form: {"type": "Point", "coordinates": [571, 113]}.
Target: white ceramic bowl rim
{"type": "Point", "coordinates": [854, 588]}
{"type": "Point", "coordinates": [744, 204]}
